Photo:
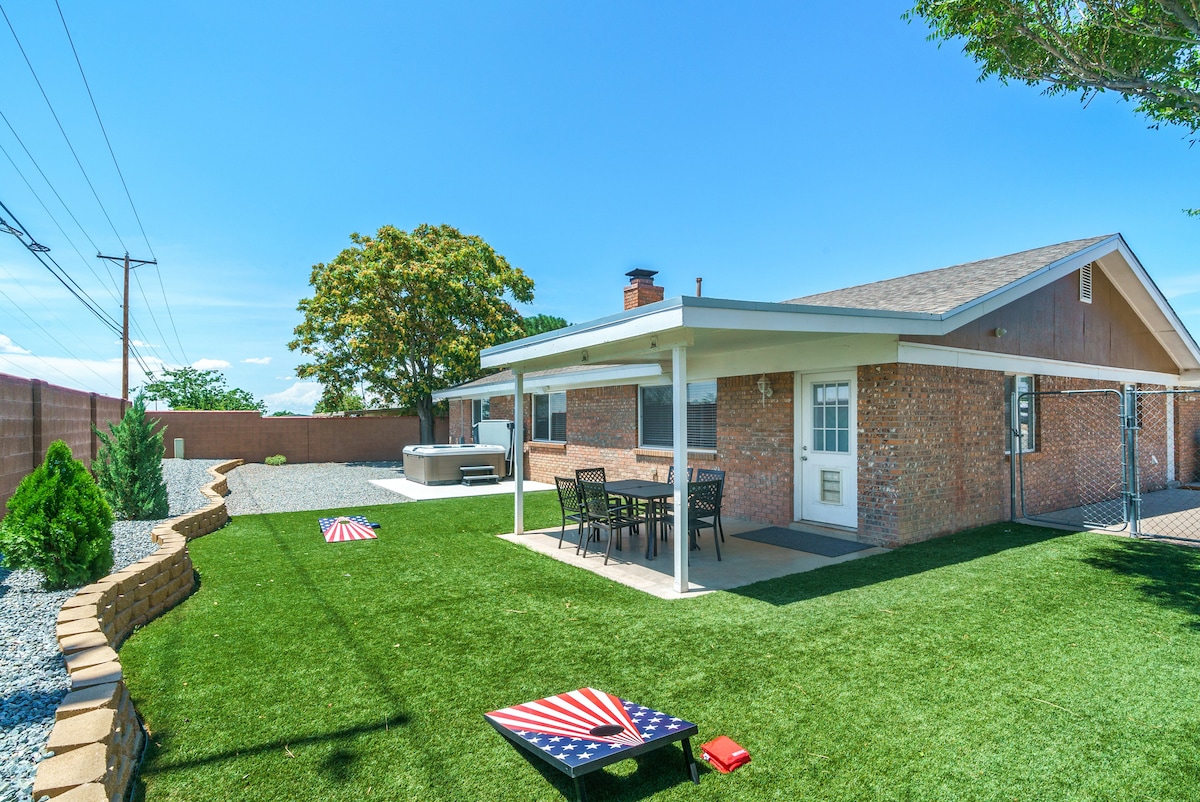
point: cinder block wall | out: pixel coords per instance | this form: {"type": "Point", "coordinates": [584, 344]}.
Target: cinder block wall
{"type": "Point", "coordinates": [33, 414]}
{"type": "Point", "coordinates": [216, 435]}
{"type": "Point", "coordinates": [96, 739]}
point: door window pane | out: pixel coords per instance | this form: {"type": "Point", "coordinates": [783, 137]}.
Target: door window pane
{"type": "Point", "coordinates": [831, 417]}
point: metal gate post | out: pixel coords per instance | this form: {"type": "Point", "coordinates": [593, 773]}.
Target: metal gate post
{"type": "Point", "coordinates": [1133, 486]}
{"type": "Point", "coordinates": [1014, 452]}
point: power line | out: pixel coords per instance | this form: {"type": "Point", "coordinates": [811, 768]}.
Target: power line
{"type": "Point", "coordinates": [49, 313]}
{"type": "Point", "coordinates": [62, 130]}
{"type": "Point", "coordinates": [41, 253]}
{"type": "Point", "coordinates": [21, 142]}
{"type": "Point", "coordinates": [128, 195]}
{"type": "Point", "coordinates": [87, 86]}
{"type": "Point", "coordinates": [112, 293]}
{"type": "Point", "coordinates": [52, 338]}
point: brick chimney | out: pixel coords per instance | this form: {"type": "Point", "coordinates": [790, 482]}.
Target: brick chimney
{"type": "Point", "coordinates": [641, 289]}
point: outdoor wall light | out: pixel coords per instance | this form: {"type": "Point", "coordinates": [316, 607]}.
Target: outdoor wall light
{"type": "Point", "coordinates": [999, 332]}
{"type": "Point", "coordinates": [764, 387]}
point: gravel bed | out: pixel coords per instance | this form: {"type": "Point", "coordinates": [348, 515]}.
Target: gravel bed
{"type": "Point", "coordinates": [33, 679]}
{"type": "Point", "coordinates": [256, 488]}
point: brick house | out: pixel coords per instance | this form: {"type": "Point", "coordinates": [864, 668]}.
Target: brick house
{"type": "Point", "coordinates": [878, 409]}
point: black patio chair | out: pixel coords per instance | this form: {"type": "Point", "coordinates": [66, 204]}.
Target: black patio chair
{"type": "Point", "coordinates": [597, 475]}
{"type": "Point", "coordinates": [702, 503]}
{"type": "Point", "coordinates": [572, 507]}
{"type": "Point", "coordinates": [671, 474]}
{"type": "Point", "coordinates": [709, 475]}
{"type": "Point", "coordinates": [601, 514]}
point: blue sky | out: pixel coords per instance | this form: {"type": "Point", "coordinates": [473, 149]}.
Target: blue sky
{"type": "Point", "coordinates": [775, 149]}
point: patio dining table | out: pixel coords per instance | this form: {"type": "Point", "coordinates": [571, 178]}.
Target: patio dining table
{"type": "Point", "coordinates": [653, 493]}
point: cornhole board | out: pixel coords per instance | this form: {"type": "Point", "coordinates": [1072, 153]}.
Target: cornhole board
{"type": "Point", "coordinates": [347, 527]}
{"type": "Point", "coordinates": [585, 730]}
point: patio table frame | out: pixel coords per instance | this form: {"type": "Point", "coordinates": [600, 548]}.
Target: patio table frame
{"type": "Point", "coordinates": [651, 492]}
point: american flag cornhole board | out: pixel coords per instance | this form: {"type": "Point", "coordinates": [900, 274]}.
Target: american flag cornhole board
{"type": "Point", "coordinates": [585, 730]}
{"type": "Point", "coordinates": [347, 527]}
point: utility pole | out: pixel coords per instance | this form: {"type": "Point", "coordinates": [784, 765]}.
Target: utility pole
{"type": "Point", "coordinates": [129, 265]}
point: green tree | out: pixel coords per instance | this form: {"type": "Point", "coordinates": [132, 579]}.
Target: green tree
{"type": "Point", "coordinates": [128, 467]}
{"type": "Point", "coordinates": [408, 313]}
{"type": "Point", "coordinates": [540, 324]}
{"type": "Point", "coordinates": [188, 388]}
{"type": "Point", "coordinates": [58, 523]}
{"type": "Point", "coordinates": [334, 400]}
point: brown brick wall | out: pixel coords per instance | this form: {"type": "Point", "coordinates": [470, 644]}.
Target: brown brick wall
{"type": "Point", "coordinates": [249, 436]}
{"type": "Point", "coordinates": [1187, 437]}
{"type": "Point", "coordinates": [930, 451]}
{"type": "Point", "coordinates": [33, 414]}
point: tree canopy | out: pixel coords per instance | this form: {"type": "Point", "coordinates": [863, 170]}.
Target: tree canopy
{"type": "Point", "coordinates": [540, 324]}
{"type": "Point", "coordinates": [1147, 50]}
{"type": "Point", "coordinates": [188, 388]}
{"type": "Point", "coordinates": [408, 313]}
{"type": "Point", "coordinates": [334, 400]}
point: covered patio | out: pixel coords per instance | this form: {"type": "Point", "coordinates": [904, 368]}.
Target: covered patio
{"type": "Point", "coordinates": [743, 561]}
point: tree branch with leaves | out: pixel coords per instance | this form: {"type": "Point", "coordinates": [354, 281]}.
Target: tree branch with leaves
{"type": "Point", "coordinates": [1146, 50]}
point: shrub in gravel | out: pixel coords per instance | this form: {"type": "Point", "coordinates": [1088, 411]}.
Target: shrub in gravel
{"type": "Point", "coordinates": [58, 523]}
{"type": "Point", "coordinates": [276, 460]}
{"type": "Point", "coordinates": [128, 467]}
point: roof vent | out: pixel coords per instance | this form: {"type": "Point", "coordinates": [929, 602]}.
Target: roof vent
{"type": "Point", "coordinates": [1085, 283]}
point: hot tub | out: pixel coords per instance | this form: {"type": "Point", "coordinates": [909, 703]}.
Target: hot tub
{"type": "Point", "coordinates": [440, 464]}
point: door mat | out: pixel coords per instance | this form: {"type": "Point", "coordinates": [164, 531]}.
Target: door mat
{"type": "Point", "coordinates": [804, 541]}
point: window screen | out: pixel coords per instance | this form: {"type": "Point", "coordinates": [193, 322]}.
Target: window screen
{"type": "Point", "coordinates": [657, 424]}
{"type": "Point", "coordinates": [550, 417]}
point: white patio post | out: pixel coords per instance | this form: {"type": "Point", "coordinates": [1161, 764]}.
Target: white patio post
{"type": "Point", "coordinates": [518, 459]}
{"type": "Point", "coordinates": [680, 438]}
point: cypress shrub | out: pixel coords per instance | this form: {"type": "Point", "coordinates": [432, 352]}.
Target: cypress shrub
{"type": "Point", "coordinates": [128, 466]}
{"type": "Point", "coordinates": [58, 523]}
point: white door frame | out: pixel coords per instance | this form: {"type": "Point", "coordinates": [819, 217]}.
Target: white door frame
{"type": "Point", "coordinates": [808, 461]}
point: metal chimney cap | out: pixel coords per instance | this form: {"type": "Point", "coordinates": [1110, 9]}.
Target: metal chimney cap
{"type": "Point", "coordinates": [638, 272]}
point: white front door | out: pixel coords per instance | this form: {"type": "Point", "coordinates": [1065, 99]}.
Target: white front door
{"type": "Point", "coordinates": [827, 460]}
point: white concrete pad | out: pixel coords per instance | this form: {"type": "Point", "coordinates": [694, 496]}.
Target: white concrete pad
{"type": "Point", "coordinates": [419, 492]}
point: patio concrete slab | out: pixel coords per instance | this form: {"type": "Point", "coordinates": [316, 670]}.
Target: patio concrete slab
{"type": "Point", "coordinates": [419, 492]}
{"type": "Point", "coordinates": [743, 562]}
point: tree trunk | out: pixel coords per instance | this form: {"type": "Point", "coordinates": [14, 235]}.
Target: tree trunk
{"type": "Point", "coordinates": [425, 418]}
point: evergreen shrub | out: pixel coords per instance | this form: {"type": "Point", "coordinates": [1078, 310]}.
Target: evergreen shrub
{"type": "Point", "coordinates": [128, 467]}
{"type": "Point", "coordinates": [276, 460]}
{"type": "Point", "coordinates": [58, 523]}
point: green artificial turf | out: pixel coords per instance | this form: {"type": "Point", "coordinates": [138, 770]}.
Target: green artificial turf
{"type": "Point", "coordinates": [1004, 663]}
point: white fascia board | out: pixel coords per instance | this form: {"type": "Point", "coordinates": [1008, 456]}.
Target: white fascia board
{"type": "Point", "coordinates": [973, 310]}
{"type": "Point", "coordinates": [649, 319]}
{"type": "Point", "coordinates": [1168, 328]}
{"type": "Point", "coordinates": [922, 354]}
{"type": "Point", "coordinates": [606, 376]}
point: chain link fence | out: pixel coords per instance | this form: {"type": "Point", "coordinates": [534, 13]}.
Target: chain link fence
{"type": "Point", "coordinates": [1110, 459]}
{"type": "Point", "coordinates": [1165, 504]}
{"type": "Point", "coordinates": [1071, 465]}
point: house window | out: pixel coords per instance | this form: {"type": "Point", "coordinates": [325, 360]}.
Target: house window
{"type": "Point", "coordinates": [481, 409]}
{"type": "Point", "coordinates": [657, 420]}
{"type": "Point", "coordinates": [1026, 421]}
{"type": "Point", "coordinates": [550, 417]}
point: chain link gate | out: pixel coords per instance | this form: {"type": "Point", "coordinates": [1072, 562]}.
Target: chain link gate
{"type": "Point", "coordinates": [1114, 460]}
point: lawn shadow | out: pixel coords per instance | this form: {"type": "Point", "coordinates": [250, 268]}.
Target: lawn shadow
{"type": "Point", "coordinates": [1169, 573]}
{"type": "Point", "coordinates": [656, 771]}
{"type": "Point", "coordinates": [906, 561]}
{"type": "Point", "coordinates": [339, 765]}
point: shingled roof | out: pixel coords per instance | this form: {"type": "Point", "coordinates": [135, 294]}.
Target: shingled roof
{"type": "Point", "coordinates": [940, 291]}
